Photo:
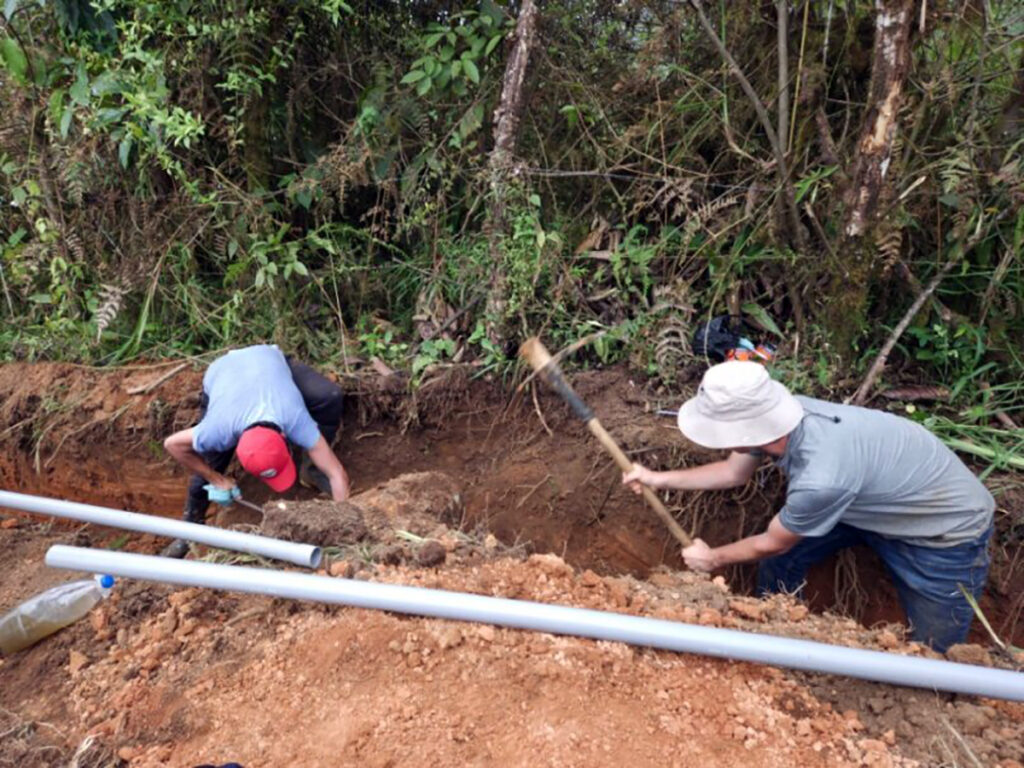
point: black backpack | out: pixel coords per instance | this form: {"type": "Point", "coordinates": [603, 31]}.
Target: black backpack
{"type": "Point", "coordinates": [718, 336]}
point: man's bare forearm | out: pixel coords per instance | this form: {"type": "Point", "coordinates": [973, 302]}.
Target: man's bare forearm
{"type": "Point", "coordinates": [709, 477]}
{"type": "Point", "coordinates": [194, 462]}
{"type": "Point", "coordinates": [340, 489]}
{"type": "Point", "coordinates": [746, 550]}
{"type": "Point", "coordinates": [179, 445]}
{"type": "Point", "coordinates": [325, 460]}
{"type": "Point", "coordinates": [775, 540]}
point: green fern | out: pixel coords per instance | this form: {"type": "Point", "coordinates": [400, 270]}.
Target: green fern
{"type": "Point", "coordinates": [955, 169]}
{"type": "Point", "coordinates": [110, 297]}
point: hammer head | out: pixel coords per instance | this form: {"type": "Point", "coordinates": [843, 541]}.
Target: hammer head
{"type": "Point", "coordinates": [541, 361]}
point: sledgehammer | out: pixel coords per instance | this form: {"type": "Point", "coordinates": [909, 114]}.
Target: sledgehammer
{"type": "Point", "coordinates": [542, 362]}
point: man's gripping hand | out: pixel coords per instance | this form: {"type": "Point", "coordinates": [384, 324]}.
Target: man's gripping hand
{"type": "Point", "coordinates": [221, 495]}
{"type": "Point", "coordinates": [699, 557]}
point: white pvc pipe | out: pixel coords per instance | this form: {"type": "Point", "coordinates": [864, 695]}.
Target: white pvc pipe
{"type": "Point", "coordinates": [305, 555]}
{"type": "Point", "coordinates": [636, 630]}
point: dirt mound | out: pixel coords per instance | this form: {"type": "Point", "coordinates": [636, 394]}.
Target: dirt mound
{"type": "Point", "coordinates": [317, 522]}
{"type": "Point", "coordinates": [177, 677]}
{"type": "Point", "coordinates": [418, 503]}
{"type": "Point", "coordinates": [401, 520]}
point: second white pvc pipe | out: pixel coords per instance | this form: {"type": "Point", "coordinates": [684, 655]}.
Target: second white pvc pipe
{"type": "Point", "coordinates": [882, 667]}
{"type": "Point", "coordinates": [305, 555]}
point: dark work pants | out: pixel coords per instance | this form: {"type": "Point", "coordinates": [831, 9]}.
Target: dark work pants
{"type": "Point", "coordinates": [928, 579]}
{"type": "Point", "coordinates": [324, 401]}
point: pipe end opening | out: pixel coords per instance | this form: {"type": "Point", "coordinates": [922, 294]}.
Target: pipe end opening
{"type": "Point", "coordinates": [315, 558]}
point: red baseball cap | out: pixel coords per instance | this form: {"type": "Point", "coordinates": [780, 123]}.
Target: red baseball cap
{"type": "Point", "coordinates": [264, 453]}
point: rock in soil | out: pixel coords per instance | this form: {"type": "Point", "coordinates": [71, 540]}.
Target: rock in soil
{"type": "Point", "coordinates": [431, 553]}
{"type": "Point", "coordinates": [342, 569]}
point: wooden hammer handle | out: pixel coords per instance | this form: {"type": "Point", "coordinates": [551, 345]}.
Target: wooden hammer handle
{"type": "Point", "coordinates": [606, 440]}
{"type": "Point", "coordinates": [542, 362]}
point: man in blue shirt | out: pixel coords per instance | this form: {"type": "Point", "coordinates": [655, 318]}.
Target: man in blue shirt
{"type": "Point", "coordinates": [855, 476]}
{"type": "Point", "coordinates": [255, 402]}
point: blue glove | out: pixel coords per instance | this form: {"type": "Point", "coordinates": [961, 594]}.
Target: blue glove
{"type": "Point", "coordinates": [222, 496]}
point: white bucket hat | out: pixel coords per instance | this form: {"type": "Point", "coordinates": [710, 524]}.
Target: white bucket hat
{"type": "Point", "coordinates": [739, 406]}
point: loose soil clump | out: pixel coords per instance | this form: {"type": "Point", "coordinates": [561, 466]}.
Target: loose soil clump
{"type": "Point", "coordinates": [418, 503]}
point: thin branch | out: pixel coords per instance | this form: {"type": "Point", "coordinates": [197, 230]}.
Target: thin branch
{"type": "Point", "coordinates": [860, 396]}
{"type": "Point", "coordinates": [1001, 416]}
{"type": "Point", "coordinates": [7, 292]}
{"type": "Point", "coordinates": [540, 415]}
{"type": "Point", "coordinates": [876, 368]}
{"type": "Point", "coordinates": [799, 78]}
{"type": "Point", "coordinates": [9, 26]}
{"type": "Point", "coordinates": [148, 387]}
{"type": "Point", "coordinates": [782, 45]}
{"type": "Point", "coordinates": [825, 239]}
{"type": "Point", "coordinates": [755, 100]}
{"type": "Point", "coordinates": [828, 28]}
{"type": "Point", "coordinates": [994, 284]}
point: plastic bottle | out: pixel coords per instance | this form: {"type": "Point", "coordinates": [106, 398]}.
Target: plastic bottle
{"type": "Point", "coordinates": [51, 610]}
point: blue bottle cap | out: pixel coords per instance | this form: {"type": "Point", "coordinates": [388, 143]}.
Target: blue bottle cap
{"type": "Point", "coordinates": [106, 581]}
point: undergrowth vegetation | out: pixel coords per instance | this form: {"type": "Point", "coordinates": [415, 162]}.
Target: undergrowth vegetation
{"type": "Point", "coordinates": [184, 176]}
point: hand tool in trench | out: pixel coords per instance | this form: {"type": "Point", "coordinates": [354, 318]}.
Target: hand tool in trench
{"type": "Point", "coordinates": [227, 497]}
{"type": "Point", "coordinates": [249, 504]}
{"type": "Point", "coordinates": [541, 361]}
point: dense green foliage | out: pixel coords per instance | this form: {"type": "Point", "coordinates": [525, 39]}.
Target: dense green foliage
{"type": "Point", "coordinates": [184, 175]}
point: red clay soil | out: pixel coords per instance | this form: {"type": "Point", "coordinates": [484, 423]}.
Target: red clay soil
{"type": "Point", "coordinates": [160, 676]}
{"type": "Point", "coordinates": [78, 433]}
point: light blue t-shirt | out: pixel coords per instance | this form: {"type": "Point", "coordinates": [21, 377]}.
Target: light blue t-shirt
{"type": "Point", "coordinates": [246, 386]}
{"type": "Point", "coordinates": [881, 473]}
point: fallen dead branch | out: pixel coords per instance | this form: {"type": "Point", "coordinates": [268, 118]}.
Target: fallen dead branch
{"type": "Point", "coordinates": [860, 396]}
{"type": "Point", "coordinates": [540, 414]}
{"type": "Point", "coordinates": [146, 388]}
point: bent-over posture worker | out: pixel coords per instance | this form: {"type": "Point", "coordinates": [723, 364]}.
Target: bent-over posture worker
{"type": "Point", "coordinates": [254, 402]}
{"type": "Point", "coordinates": [855, 476]}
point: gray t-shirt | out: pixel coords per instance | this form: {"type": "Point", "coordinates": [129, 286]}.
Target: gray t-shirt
{"type": "Point", "coordinates": [250, 385]}
{"type": "Point", "coordinates": [878, 472]}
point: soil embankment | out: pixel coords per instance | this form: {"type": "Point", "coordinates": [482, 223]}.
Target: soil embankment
{"type": "Point", "coordinates": [80, 433]}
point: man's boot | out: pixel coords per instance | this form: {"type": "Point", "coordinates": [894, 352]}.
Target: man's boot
{"type": "Point", "coordinates": [179, 547]}
{"type": "Point", "coordinates": [311, 476]}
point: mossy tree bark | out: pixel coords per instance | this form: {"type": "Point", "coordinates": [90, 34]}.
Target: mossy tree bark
{"type": "Point", "coordinates": [890, 67]}
{"type": "Point", "coordinates": [501, 167]}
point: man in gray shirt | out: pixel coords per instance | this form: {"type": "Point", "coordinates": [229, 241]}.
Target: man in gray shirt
{"type": "Point", "coordinates": [856, 476]}
{"type": "Point", "coordinates": [255, 401]}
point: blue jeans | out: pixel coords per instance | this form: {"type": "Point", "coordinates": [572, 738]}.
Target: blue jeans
{"type": "Point", "coordinates": [926, 578]}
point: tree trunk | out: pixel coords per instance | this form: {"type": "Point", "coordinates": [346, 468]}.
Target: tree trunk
{"type": "Point", "coordinates": [890, 66]}
{"type": "Point", "coordinates": [500, 164]}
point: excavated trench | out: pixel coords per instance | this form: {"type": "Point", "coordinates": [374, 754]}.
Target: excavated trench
{"type": "Point", "coordinates": [529, 473]}
{"type": "Point", "coordinates": [179, 677]}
